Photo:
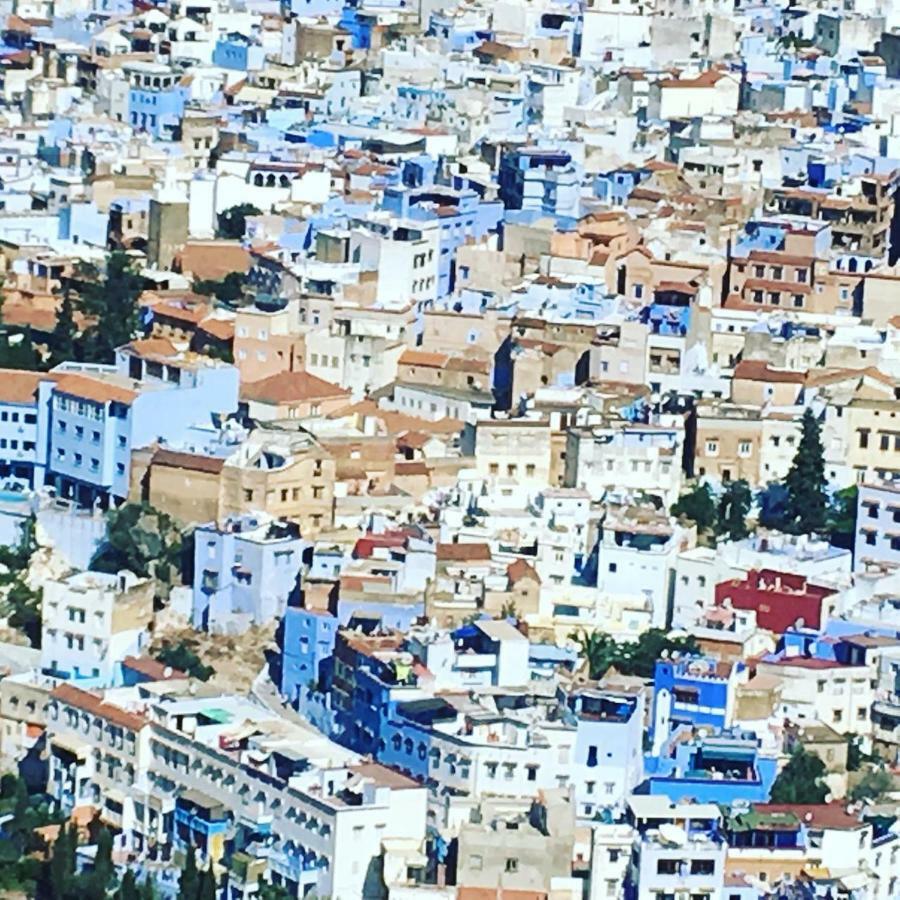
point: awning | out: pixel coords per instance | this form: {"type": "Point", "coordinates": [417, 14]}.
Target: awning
{"type": "Point", "coordinates": [71, 745]}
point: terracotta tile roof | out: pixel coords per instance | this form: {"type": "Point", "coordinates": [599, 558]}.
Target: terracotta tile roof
{"type": "Point", "coordinates": [221, 329]}
{"type": "Point", "coordinates": [464, 552]}
{"type": "Point", "coordinates": [681, 287]}
{"type": "Point", "coordinates": [190, 461]}
{"type": "Point", "coordinates": [214, 259]}
{"type": "Point", "coordinates": [94, 389]}
{"type": "Point", "coordinates": [779, 258]}
{"type": "Point", "coordinates": [760, 370]}
{"type": "Point", "coordinates": [520, 569]}
{"type": "Point", "coordinates": [768, 284]}
{"type": "Point", "coordinates": [291, 387]}
{"type": "Point", "coordinates": [423, 358]}
{"type": "Point", "coordinates": [463, 364]}
{"type": "Point", "coordinates": [191, 313]}
{"type": "Point", "coordinates": [91, 703]}
{"type": "Point", "coordinates": [152, 668]}
{"type": "Point", "coordinates": [411, 468]}
{"type": "Point", "coordinates": [816, 815]}
{"type": "Point", "coordinates": [153, 347]}
{"type": "Point", "coordinates": [706, 79]}
{"type": "Point", "coordinates": [17, 386]}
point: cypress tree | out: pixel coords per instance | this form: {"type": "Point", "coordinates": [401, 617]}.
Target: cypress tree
{"type": "Point", "coordinates": [62, 339]}
{"type": "Point", "coordinates": [189, 882]}
{"type": "Point", "coordinates": [128, 889]}
{"type": "Point", "coordinates": [734, 505]}
{"type": "Point", "coordinates": [207, 890]}
{"type": "Point", "coordinates": [807, 502]}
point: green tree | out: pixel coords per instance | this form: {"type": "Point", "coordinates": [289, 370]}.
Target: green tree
{"type": "Point", "coordinates": [229, 289]}
{"type": "Point", "coordinates": [874, 784]}
{"type": "Point", "coordinates": [182, 656]}
{"type": "Point", "coordinates": [800, 781]}
{"type": "Point", "coordinates": [128, 888]}
{"type": "Point", "coordinates": [855, 756]}
{"type": "Point", "coordinates": [842, 517]}
{"type": "Point", "coordinates": [110, 300]}
{"type": "Point", "coordinates": [62, 339]}
{"type": "Point", "coordinates": [142, 540]}
{"type": "Point", "coordinates": [697, 505]}
{"type": "Point", "coordinates": [233, 221]}
{"type": "Point", "coordinates": [17, 349]}
{"type": "Point", "coordinates": [21, 604]}
{"type": "Point", "coordinates": [207, 889]}
{"type": "Point", "coordinates": [269, 891]}
{"type": "Point", "coordinates": [59, 871]}
{"type": "Point", "coordinates": [807, 501]}
{"type": "Point", "coordinates": [189, 880]}
{"type": "Point", "coordinates": [639, 657]}
{"type": "Point", "coordinates": [734, 506]}
{"type": "Point", "coordinates": [99, 880]}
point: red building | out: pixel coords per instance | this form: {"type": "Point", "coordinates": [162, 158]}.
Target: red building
{"type": "Point", "coordinates": [779, 599]}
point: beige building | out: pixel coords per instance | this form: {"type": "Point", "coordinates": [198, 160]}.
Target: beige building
{"type": "Point", "coordinates": [517, 449]}
{"type": "Point", "coordinates": [506, 851]}
{"type": "Point", "coordinates": [287, 475]}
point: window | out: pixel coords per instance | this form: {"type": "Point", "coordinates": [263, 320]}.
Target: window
{"type": "Point", "coordinates": [592, 756]}
{"type": "Point", "coordinates": [744, 448]}
{"type": "Point", "coordinates": [837, 715]}
{"type": "Point", "coordinates": [702, 866]}
{"type": "Point", "coordinates": [712, 448]}
{"type": "Point", "coordinates": [512, 864]}
{"type": "Point", "coordinates": [475, 862]}
{"type": "Point", "coordinates": [613, 567]}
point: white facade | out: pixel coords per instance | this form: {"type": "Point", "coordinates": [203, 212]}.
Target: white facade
{"type": "Point", "coordinates": [91, 621]}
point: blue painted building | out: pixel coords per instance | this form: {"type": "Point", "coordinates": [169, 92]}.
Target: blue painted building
{"type": "Point", "coordinates": [95, 416]}
{"type": "Point", "coordinates": [245, 571]}
{"type": "Point", "coordinates": [239, 53]}
{"type": "Point", "coordinates": [694, 691]}
{"type": "Point", "coordinates": [21, 459]}
{"type": "Point", "coordinates": [539, 180]}
{"type": "Point", "coordinates": [461, 215]}
{"type": "Point", "coordinates": [372, 674]}
{"type": "Point", "coordinates": [723, 768]}
{"type": "Point", "coordinates": [307, 643]}
{"type": "Point", "coordinates": [156, 98]}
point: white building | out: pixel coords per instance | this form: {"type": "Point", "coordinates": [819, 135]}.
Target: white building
{"type": "Point", "coordinates": [91, 621]}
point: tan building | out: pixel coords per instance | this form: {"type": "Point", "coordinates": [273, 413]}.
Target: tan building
{"type": "Point", "coordinates": [292, 395]}
{"type": "Point", "coordinates": [287, 475]}
{"type": "Point", "coordinates": [728, 442]}
{"type": "Point", "coordinates": [268, 342]}
{"type": "Point", "coordinates": [756, 383]}
{"type": "Point", "coordinates": [442, 370]}
{"type": "Point", "coordinates": [517, 449]}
